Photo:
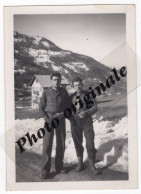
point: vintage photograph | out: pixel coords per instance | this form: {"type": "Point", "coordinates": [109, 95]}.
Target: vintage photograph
{"type": "Point", "coordinates": [71, 97]}
{"type": "Point", "coordinates": [56, 59]}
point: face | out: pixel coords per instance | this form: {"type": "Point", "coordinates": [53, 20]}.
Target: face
{"type": "Point", "coordinates": [56, 81]}
{"type": "Point", "coordinates": [78, 86]}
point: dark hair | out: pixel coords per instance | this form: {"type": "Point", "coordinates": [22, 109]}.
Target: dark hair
{"type": "Point", "coordinates": [77, 79]}
{"type": "Point", "coordinates": [55, 74]}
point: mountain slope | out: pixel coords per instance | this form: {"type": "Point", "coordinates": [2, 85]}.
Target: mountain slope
{"type": "Point", "coordinates": [38, 55]}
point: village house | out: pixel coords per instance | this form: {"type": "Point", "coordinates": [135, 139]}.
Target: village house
{"type": "Point", "coordinates": [38, 83]}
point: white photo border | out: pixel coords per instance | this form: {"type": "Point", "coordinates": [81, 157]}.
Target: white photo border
{"type": "Point", "coordinates": [138, 82]}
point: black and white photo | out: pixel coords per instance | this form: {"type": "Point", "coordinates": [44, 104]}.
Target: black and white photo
{"type": "Point", "coordinates": [72, 96]}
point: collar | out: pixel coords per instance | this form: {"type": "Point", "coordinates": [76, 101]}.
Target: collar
{"type": "Point", "coordinates": [60, 89]}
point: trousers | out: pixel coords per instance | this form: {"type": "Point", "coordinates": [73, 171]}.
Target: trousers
{"type": "Point", "coordinates": [60, 148]}
{"type": "Point", "coordinates": [78, 126]}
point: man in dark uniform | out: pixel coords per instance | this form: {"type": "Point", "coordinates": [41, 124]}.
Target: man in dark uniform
{"type": "Point", "coordinates": [82, 121]}
{"type": "Point", "coordinates": [53, 102]}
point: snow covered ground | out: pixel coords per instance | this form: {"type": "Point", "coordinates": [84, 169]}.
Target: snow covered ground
{"type": "Point", "coordinates": [110, 140]}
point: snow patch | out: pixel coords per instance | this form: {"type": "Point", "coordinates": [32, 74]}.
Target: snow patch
{"type": "Point", "coordinates": [112, 147]}
{"type": "Point", "coordinates": [59, 68]}
{"type": "Point", "coordinates": [70, 66]}
{"type": "Point", "coordinates": [45, 43]}
{"type": "Point", "coordinates": [55, 68]}
{"type": "Point", "coordinates": [34, 52]}
{"type": "Point", "coordinates": [20, 71]}
{"type": "Point", "coordinates": [81, 65]}
{"type": "Point", "coordinates": [18, 39]}
{"type": "Point", "coordinates": [37, 39]}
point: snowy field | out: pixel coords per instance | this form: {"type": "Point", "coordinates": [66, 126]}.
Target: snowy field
{"type": "Point", "coordinates": [111, 140]}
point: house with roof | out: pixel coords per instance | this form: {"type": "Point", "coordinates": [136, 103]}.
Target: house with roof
{"type": "Point", "coordinates": [38, 83]}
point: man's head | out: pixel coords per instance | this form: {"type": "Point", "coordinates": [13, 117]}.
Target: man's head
{"type": "Point", "coordinates": [56, 79]}
{"type": "Point", "coordinates": [77, 84]}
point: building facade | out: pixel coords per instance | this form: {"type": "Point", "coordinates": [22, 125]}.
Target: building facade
{"type": "Point", "coordinates": [38, 84]}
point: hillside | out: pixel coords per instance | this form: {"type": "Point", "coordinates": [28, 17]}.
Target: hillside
{"type": "Point", "coordinates": [38, 55]}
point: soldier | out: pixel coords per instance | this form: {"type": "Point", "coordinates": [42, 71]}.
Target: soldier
{"type": "Point", "coordinates": [53, 102]}
{"type": "Point", "coordinates": [82, 121]}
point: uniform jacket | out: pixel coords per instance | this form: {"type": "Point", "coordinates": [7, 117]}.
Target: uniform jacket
{"type": "Point", "coordinates": [88, 111]}
{"type": "Point", "coordinates": [54, 101]}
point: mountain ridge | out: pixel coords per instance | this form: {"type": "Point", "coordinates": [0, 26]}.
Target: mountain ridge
{"type": "Point", "coordinates": [38, 55]}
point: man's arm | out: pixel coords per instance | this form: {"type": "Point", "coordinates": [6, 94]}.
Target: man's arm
{"type": "Point", "coordinates": [93, 109]}
{"type": "Point", "coordinates": [89, 111]}
{"type": "Point", "coordinates": [42, 105]}
{"type": "Point", "coordinates": [68, 101]}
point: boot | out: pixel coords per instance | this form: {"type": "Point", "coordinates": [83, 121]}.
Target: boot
{"type": "Point", "coordinates": [80, 166]}
{"type": "Point", "coordinates": [62, 171]}
{"type": "Point", "coordinates": [44, 176]}
{"type": "Point", "coordinates": [92, 167]}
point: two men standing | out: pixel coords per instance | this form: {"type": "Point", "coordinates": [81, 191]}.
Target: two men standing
{"type": "Point", "coordinates": [53, 103]}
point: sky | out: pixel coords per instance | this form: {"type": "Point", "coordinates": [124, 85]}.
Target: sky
{"type": "Point", "coordinates": [94, 35]}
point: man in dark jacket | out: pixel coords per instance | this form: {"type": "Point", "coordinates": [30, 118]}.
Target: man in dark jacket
{"type": "Point", "coordinates": [82, 121]}
{"type": "Point", "coordinates": [53, 102]}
